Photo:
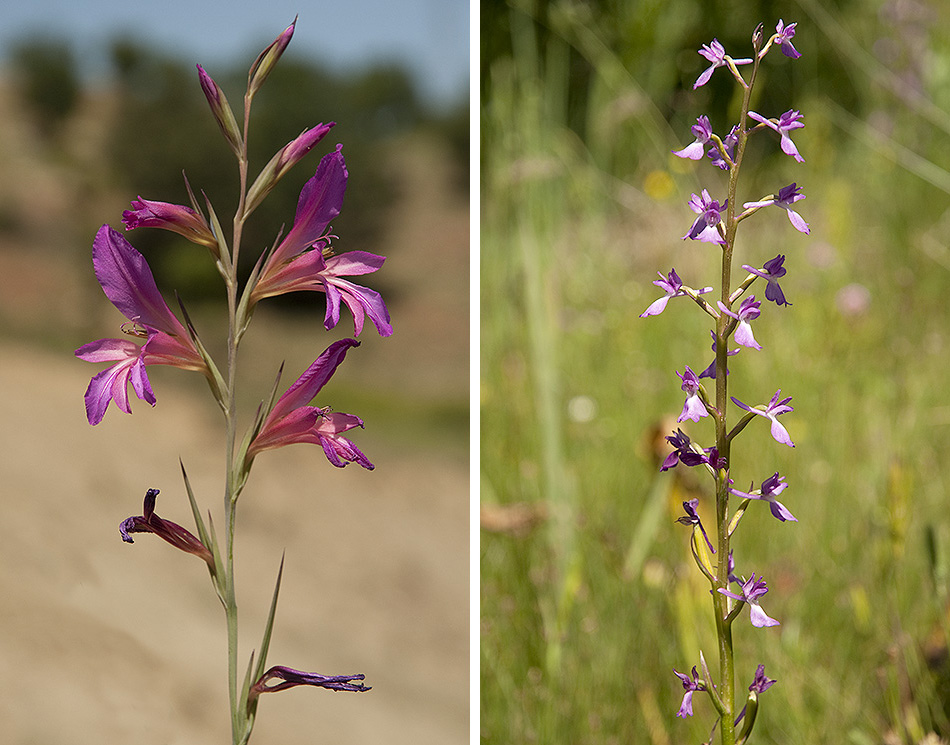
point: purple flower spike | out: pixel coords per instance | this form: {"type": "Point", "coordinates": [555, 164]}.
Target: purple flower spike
{"type": "Point", "coordinates": [303, 260]}
{"type": "Point", "coordinates": [702, 131]}
{"type": "Point", "coordinates": [771, 488]}
{"type": "Point", "coordinates": [692, 518]}
{"type": "Point", "coordinates": [752, 590]}
{"type": "Point", "coordinates": [716, 54]}
{"type": "Point", "coordinates": [693, 408]}
{"type": "Point", "coordinates": [176, 535]}
{"type": "Point", "coordinates": [774, 409]}
{"type": "Point", "coordinates": [790, 120]}
{"type": "Point", "coordinates": [682, 452]}
{"type": "Point", "coordinates": [786, 197]}
{"type": "Point", "coordinates": [710, 372]}
{"type": "Point", "coordinates": [691, 685]}
{"type": "Point", "coordinates": [706, 226]}
{"type": "Point", "coordinates": [784, 35]}
{"type": "Point", "coordinates": [292, 420]}
{"type": "Point", "coordinates": [289, 678]}
{"type": "Point", "coordinates": [772, 271]}
{"type": "Point", "coordinates": [749, 310]}
{"type": "Point", "coordinates": [672, 286]}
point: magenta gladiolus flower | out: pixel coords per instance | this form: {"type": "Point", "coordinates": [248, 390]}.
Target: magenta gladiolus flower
{"type": "Point", "coordinates": [128, 283]}
{"type": "Point", "coordinates": [299, 262]}
{"type": "Point", "coordinates": [289, 678]}
{"type": "Point", "coordinates": [293, 420]}
{"type": "Point", "coordinates": [182, 220]}
{"type": "Point", "coordinates": [171, 532]}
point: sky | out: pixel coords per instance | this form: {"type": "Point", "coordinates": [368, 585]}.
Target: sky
{"type": "Point", "coordinates": [430, 37]}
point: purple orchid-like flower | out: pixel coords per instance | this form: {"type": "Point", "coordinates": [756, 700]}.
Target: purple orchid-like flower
{"type": "Point", "coordinates": [724, 160]}
{"type": "Point", "coordinates": [672, 285]}
{"type": "Point", "coordinates": [691, 684]}
{"type": "Point", "coordinates": [788, 121]}
{"type": "Point", "coordinates": [749, 310]}
{"type": "Point", "coordinates": [784, 35]}
{"type": "Point", "coordinates": [715, 53]}
{"type": "Point", "coordinates": [293, 420]}
{"type": "Point", "coordinates": [772, 271]}
{"type": "Point", "coordinates": [751, 590]}
{"type": "Point", "coordinates": [702, 131]}
{"type": "Point", "coordinates": [710, 372]}
{"type": "Point", "coordinates": [303, 260]}
{"type": "Point", "coordinates": [693, 408]}
{"type": "Point", "coordinates": [128, 283]}
{"type": "Point", "coordinates": [175, 534]}
{"type": "Point", "coordinates": [786, 197]}
{"type": "Point", "coordinates": [706, 226]}
{"type": "Point", "coordinates": [682, 452]}
{"type": "Point", "coordinates": [185, 221]}
{"type": "Point", "coordinates": [692, 518]}
{"type": "Point", "coordinates": [289, 678]}
{"type": "Point", "coordinates": [771, 488]}
{"type": "Point", "coordinates": [761, 683]}
{"type": "Point", "coordinates": [772, 411]}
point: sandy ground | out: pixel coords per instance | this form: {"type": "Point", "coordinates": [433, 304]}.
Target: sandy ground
{"type": "Point", "coordinates": [104, 642]}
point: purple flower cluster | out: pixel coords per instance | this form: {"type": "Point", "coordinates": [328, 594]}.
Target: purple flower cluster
{"type": "Point", "coordinates": [734, 314]}
{"type": "Point", "coordinates": [302, 261]}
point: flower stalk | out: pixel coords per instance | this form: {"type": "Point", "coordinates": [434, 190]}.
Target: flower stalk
{"type": "Point", "coordinates": [302, 261]}
{"type": "Point", "coordinates": [718, 223]}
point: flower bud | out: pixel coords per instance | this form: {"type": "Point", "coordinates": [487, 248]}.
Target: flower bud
{"type": "Point", "coordinates": [175, 217]}
{"type": "Point", "coordinates": [282, 162]}
{"type": "Point", "coordinates": [267, 59]}
{"type": "Point", "coordinates": [221, 110]}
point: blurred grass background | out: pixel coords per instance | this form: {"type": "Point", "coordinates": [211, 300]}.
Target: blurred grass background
{"type": "Point", "coordinates": [589, 597]}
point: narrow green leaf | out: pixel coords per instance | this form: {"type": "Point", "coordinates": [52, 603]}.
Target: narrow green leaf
{"type": "Point", "coordinates": [199, 523]}
{"type": "Point", "coordinates": [224, 252]}
{"type": "Point", "coordinates": [265, 643]}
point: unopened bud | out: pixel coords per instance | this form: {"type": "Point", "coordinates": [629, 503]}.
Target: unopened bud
{"type": "Point", "coordinates": [221, 110]}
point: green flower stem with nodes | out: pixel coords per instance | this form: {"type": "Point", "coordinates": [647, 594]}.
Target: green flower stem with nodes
{"type": "Point", "coordinates": [718, 224]}
{"type": "Point", "coordinates": [723, 438]}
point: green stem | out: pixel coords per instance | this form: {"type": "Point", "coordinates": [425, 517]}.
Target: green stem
{"type": "Point", "coordinates": [723, 438]}
{"type": "Point", "coordinates": [232, 481]}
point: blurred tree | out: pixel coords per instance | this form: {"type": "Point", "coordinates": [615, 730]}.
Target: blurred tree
{"type": "Point", "coordinates": [46, 77]}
